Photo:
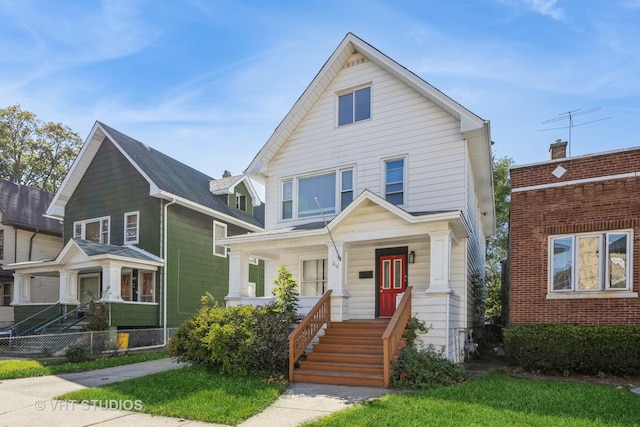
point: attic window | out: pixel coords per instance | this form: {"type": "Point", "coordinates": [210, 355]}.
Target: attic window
{"type": "Point", "coordinates": [354, 106]}
{"type": "Point", "coordinates": [241, 202]}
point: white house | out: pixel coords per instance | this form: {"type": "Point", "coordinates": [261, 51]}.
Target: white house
{"type": "Point", "coordinates": [401, 175]}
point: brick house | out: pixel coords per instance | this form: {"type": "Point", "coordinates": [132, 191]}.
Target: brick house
{"type": "Point", "coordinates": [573, 247]}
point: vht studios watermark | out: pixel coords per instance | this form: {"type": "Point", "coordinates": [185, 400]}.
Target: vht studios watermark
{"type": "Point", "coordinates": [89, 405]}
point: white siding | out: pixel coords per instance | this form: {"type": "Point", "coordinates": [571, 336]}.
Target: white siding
{"type": "Point", "coordinates": [6, 316]}
{"type": "Point", "coordinates": [402, 123]}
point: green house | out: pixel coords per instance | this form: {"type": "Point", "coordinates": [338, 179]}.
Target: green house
{"type": "Point", "coordinates": [140, 233]}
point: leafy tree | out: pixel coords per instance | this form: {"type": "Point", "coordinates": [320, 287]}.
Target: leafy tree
{"type": "Point", "coordinates": [35, 153]}
{"type": "Point", "coordinates": [498, 245]}
{"type": "Point", "coordinates": [286, 292]}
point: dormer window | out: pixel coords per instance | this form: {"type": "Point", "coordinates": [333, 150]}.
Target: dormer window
{"type": "Point", "coordinates": [241, 202]}
{"type": "Point", "coordinates": [354, 106]}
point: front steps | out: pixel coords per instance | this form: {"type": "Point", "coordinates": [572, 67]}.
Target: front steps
{"type": "Point", "coordinates": [349, 353]}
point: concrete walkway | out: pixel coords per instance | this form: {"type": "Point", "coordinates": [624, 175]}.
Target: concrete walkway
{"type": "Point", "coordinates": [29, 401]}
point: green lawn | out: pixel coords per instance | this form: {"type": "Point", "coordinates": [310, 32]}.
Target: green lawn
{"type": "Point", "coordinates": [191, 392]}
{"type": "Point", "coordinates": [498, 400]}
{"type": "Point", "coordinates": [21, 368]}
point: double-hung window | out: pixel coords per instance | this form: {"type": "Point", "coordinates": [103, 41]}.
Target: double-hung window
{"type": "Point", "coordinates": [95, 230]}
{"type": "Point", "coordinates": [131, 228]}
{"type": "Point", "coordinates": [241, 202]}
{"type": "Point", "coordinates": [313, 195]}
{"type": "Point", "coordinates": [314, 277]}
{"type": "Point", "coordinates": [590, 262]}
{"type": "Point", "coordinates": [219, 232]}
{"type": "Point", "coordinates": [354, 106]}
{"type": "Point", "coordinates": [394, 175]}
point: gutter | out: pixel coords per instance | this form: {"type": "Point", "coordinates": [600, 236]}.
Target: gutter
{"type": "Point", "coordinates": [31, 243]}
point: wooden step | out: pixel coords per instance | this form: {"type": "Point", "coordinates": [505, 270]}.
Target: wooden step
{"type": "Point", "coordinates": [339, 378]}
{"type": "Point", "coordinates": [357, 324]}
{"type": "Point", "coordinates": [353, 332]}
{"type": "Point", "coordinates": [341, 367]}
{"type": "Point", "coordinates": [348, 349]}
{"type": "Point", "coordinates": [366, 359]}
{"type": "Point", "coordinates": [350, 340]}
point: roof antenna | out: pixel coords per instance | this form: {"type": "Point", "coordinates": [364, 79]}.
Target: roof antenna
{"type": "Point", "coordinates": [570, 115]}
{"type": "Point", "coordinates": [328, 231]}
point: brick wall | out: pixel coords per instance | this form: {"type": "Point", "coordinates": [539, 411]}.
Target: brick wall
{"type": "Point", "coordinates": [585, 207]}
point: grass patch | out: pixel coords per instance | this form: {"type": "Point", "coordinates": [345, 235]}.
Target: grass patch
{"type": "Point", "coordinates": [498, 400]}
{"type": "Point", "coordinates": [192, 392]}
{"type": "Point", "coordinates": [22, 368]}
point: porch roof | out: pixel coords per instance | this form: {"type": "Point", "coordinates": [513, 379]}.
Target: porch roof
{"type": "Point", "coordinates": [94, 251]}
{"type": "Point", "coordinates": [455, 219]}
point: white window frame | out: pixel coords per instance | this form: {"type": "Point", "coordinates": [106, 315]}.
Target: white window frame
{"type": "Point", "coordinates": [219, 250]}
{"type": "Point", "coordinates": [405, 183]}
{"type": "Point", "coordinates": [137, 228]}
{"type": "Point", "coordinates": [140, 286]}
{"type": "Point", "coordinates": [342, 190]}
{"type": "Point", "coordinates": [603, 266]}
{"type": "Point", "coordinates": [319, 257]}
{"type": "Point", "coordinates": [254, 260]}
{"type": "Point", "coordinates": [80, 228]}
{"type": "Point", "coordinates": [353, 91]}
{"type": "Point", "coordinates": [294, 182]}
{"type": "Point", "coordinates": [239, 198]}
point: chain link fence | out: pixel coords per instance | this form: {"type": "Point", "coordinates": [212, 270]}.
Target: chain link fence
{"type": "Point", "coordinates": [93, 343]}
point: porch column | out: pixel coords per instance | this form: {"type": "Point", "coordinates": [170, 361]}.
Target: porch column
{"type": "Point", "coordinates": [440, 266]}
{"type": "Point", "coordinates": [111, 281]}
{"type": "Point", "coordinates": [238, 276]}
{"type": "Point", "coordinates": [337, 281]}
{"type": "Point", "coordinates": [21, 289]}
{"type": "Point", "coordinates": [68, 287]}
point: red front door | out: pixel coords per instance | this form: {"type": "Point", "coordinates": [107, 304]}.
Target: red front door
{"type": "Point", "coordinates": [392, 282]}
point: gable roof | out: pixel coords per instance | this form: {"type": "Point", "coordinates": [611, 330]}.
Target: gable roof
{"type": "Point", "coordinates": [24, 207]}
{"type": "Point", "coordinates": [474, 129]}
{"type": "Point", "coordinates": [228, 184]}
{"type": "Point", "coordinates": [168, 178]}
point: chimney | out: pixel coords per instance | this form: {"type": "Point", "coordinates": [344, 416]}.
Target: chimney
{"type": "Point", "coordinates": [558, 149]}
{"type": "Point", "coordinates": [226, 174]}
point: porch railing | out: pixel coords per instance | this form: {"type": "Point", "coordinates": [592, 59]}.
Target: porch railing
{"type": "Point", "coordinates": [308, 328]}
{"type": "Point", "coordinates": [393, 334]}
{"type": "Point", "coordinates": [26, 326]}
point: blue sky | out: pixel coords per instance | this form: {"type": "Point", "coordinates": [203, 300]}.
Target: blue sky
{"type": "Point", "coordinates": [207, 82]}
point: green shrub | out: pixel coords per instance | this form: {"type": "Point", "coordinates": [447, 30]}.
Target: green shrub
{"type": "Point", "coordinates": [76, 354]}
{"type": "Point", "coordinates": [423, 367]}
{"type": "Point", "coordinates": [590, 350]}
{"type": "Point", "coordinates": [238, 339]}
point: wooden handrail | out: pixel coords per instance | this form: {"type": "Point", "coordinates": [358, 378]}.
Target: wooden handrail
{"type": "Point", "coordinates": [308, 328]}
{"type": "Point", "coordinates": [394, 331]}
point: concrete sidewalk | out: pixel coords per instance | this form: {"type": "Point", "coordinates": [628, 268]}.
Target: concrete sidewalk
{"type": "Point", "coordinates": [29, 401]}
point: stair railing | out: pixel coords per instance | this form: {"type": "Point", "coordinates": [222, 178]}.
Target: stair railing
{"type": "Point", "coordinates": [308, 328]}
{"type": "Point", "coordinates": [42, 327]}
{"type": "Point", "coordinates": [23, 327]}
{"type": "Point", "coordinates": [393, 333]}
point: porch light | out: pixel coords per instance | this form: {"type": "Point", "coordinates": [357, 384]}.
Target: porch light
{"type": "Point", "coordinates": [412, 257]}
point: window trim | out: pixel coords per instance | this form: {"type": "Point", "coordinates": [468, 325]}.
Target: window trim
{"type": "Point", "coordinates": [223, 225]}
{"type": "Point", "coordinates": [353, 90]}
{"type": "Point", "coordinates": [241, 199]}
{"type": "Point", "coordinates": [83, 228]}
{"type": "Point", "coordinates": [294, 181]}
{"type": "Point", "coordinates": [140, 286]}
{"type": "Point", "coordinates": [137, 237]}
{"type": "Point", "coordinates": [313, 257]}
{"type": "Point", "coordinates": [604, 288]}
{"type": "Point", "coordinates": [405, 176]}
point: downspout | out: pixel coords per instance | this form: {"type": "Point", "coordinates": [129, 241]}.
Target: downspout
{"type": "Point", "coordinates": [31, 243]}
{"type": "Point", "coordinates": [164, 272]}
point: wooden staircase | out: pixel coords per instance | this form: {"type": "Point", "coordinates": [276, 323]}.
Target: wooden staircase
{"type": "Point", "coordinates": [349, 353]}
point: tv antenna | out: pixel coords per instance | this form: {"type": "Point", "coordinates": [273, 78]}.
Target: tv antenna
{"type": "Point", "coordinates": [569, 115]}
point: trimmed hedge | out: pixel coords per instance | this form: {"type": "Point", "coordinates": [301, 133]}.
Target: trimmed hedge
{"type": "Point", "coordinates": [569, 348]}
